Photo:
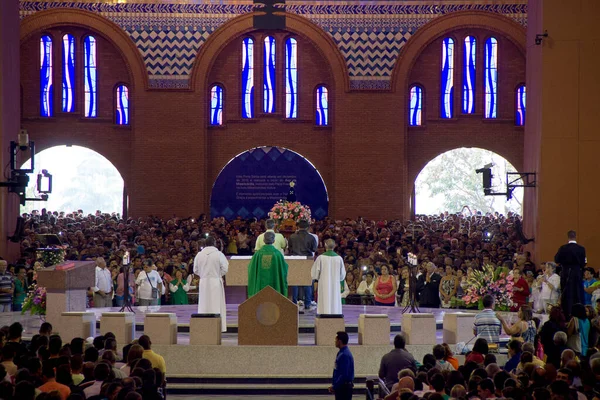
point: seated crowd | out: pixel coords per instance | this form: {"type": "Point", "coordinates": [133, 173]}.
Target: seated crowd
{"type": "Point", "coordinates": [552, 364]}
{"type": "Point", "coordinates": [45, 368]}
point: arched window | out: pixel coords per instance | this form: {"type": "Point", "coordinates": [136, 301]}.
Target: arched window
{"type": "Point", "coordinates": [122, 106]}
{"type": "Point", "coordinates": [269, 75]}
{"type": "Point", "coordinates": [416, 105]}
{"type": "Point", "coordinates": [216, 105]}
{"type": "Point", "coordinates": [322, 115]}
{"type": "Point", "coordinates": [469, 76]}
{"type": "Point", "coordinates": [90, 79]}
{"type": "Point", "coordinates": [46, 84]}
{"type": "Point", "coordinates": [248, 78]}
{"type": "Point", "coordinates": [521, 106]}
{"type": "Point", "coordinates": [491, 77]}
{"type": "Point", "coordinates": [68, 73]}
{"type": "Point", "coordinates": [291, 78]}
{"type": "Point", "coordinates": [447, 105]}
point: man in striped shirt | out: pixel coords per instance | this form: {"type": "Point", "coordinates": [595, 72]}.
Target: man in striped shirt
{"type": "Point", "coordinates": [487, 325]}
{"type": "Point", "coordinates": [6, 288]}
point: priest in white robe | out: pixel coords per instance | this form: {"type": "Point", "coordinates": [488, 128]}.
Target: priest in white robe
{"type": "Point", "coordinates": [328, 270]}
{"type": "Point", "coordinates": [210, 265]}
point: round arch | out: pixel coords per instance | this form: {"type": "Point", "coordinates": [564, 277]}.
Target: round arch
{"type": "Point", "coordinates": [238, 26]}
{"type": "Point", "coordinates": [252, 181]}
{"type": "Point", "coordinates": [84, 19]}
{"type": "Point", "coordinates": [82, 179]}
{"type": "Point", "coordinates": [500, 24]}
{"type": "Point", "coordinates": [449, 181]}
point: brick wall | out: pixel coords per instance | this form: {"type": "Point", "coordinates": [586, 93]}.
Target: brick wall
{"type": "Point", "coordinates": [169, 158]}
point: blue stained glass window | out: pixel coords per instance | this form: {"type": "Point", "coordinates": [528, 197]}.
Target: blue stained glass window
{"type": "Point", "coordinates": [68, 74]}
{"type": "Point", "coordinates": [416, 106]}
{"type": "Point", "coordinates": [46, 86]}
{"type": "Point", "coordinates": [248, 78]}
{"type": "Point", "coordinates": [269, 75]}
{"type": "Point", "coordinates": [322, 117]}
{"type": "Point", "coordinates": [447, 105]}
{"type": "Point", "coordinates": [122, 109]}
{"type": "Point", "coordinates": [216, 105]}
{"type": "Point", "coordinates": [491, 78]}
{"type": "Point", "coordinates": [90, 79]}
{"type": "Point", "coordinates": [469, 76]}
{"type": "Point", "coordinates": [521, 106]}
{"type": "Point", "coordinates": [291, 78]}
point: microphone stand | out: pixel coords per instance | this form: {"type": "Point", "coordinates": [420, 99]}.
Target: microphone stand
{"type": "Point", "coordinates": [126, 296]}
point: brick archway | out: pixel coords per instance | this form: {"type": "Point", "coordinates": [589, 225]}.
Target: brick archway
{"type": "Point", "coordinates": [426, 159]}
{"type": "Point", "coordinates": [85, 19]}
{"type": "Point", "coordinates": [502, 25]}
{"type": "Point", "coordinates": [243, 24]}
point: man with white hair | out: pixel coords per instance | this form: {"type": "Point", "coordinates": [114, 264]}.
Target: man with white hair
{"type": "Point", "coordinates": [328, 270]}
{"type": "Point", "coordinates": [103, 285]}
{"type": "Point", "coordinates": [7, 287]}
{"type": "Point", "coordinates": [428, 287]}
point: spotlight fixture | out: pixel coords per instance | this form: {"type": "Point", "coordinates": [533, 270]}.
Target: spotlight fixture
{"type": "Point", "coordinates": [539, 37]}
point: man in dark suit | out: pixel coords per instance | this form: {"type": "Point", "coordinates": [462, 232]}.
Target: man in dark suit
{"type": "Point", "coordinates": [571, 257]}
{"type": "Point", "coordinates": [302, 243]}
{"type": "Point", "coordinates": [428, 287]}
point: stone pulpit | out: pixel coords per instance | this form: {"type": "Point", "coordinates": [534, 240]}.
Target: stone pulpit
{"type": "Point", "coordinates": [66, 288]}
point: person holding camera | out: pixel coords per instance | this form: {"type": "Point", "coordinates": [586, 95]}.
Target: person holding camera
{"type": "Point", "coordinates": [149, 285]}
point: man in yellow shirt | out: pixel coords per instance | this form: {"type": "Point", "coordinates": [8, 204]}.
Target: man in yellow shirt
{"type": "Point", "coordinates": [156, 359]}
{"type": "Point", "coordinates": [280, 242]}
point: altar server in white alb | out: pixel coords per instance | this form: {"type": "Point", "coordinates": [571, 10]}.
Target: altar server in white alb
{"type": "Point", "coordinates": [210, 265]}
{"type": "Point", "coordinates": [328, 270]}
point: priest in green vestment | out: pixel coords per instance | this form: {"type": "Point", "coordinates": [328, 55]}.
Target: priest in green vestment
{"type": "Point", "coordinates": [267, 268]}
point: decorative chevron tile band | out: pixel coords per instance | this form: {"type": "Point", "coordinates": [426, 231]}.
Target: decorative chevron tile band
{"type": "Point", "coordinates": [368, 34]}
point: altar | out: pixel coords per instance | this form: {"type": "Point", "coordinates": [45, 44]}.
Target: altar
{"type": "Point", "coordinates": [299, 271]}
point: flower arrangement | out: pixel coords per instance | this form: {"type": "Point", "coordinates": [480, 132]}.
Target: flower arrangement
{"type": "Point", "coordinates": [490, 280]}
{"type": "Point", "coordinates": [51, 256]}
{"type": "Point", "coordinates": [283, 210]}
{"type": "Point", "coordinates": [35, 302]}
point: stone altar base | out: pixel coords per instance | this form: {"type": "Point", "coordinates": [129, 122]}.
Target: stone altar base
{"type": "Point", "coordinates": [458, 327]}
{"type": "Point", "coordinates": [419, 328]}
{"type": "Point", "coordinates": [76, 324]}
{"type": "Point", "coordinates": [205, 329]}
{"type": "Point", "coordinates": [373, 329]}
{"type": "Point", "coordinates": [122, 324]}
{"type": "Point", "coordinates": [161, 327]}
{"type": "Point", "coordinates": [326, 328]}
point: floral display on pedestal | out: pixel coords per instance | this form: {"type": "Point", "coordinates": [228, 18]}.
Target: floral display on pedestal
{"type": "Point", "coordinates": [490, 280]}
{"type": "Point", "coordinates": [294, 210]}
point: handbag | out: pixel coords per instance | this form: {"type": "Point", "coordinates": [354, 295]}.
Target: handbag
{"type": "Point", "coordinates": [154, 293]}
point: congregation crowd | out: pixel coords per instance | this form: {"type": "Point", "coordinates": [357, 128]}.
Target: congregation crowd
{"type": "Point", "coordinates": [558, 360]}
{"type": "Point", "coordinates": [449, 248]}
{"type": "Point", "coordinates": [45, 368]}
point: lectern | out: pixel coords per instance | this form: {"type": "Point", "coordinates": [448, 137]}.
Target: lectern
{"type": "Point", "coordinates": [66, 288]}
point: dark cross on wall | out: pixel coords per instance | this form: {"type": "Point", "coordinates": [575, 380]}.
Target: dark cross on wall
{"type": "Point", "coordinates": [267, 18]}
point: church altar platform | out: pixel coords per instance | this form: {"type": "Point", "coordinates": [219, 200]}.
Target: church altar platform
{"type": "Point", "coordinates": [351, 313]}
{"type": "Point", "coordinates": [204, 369]}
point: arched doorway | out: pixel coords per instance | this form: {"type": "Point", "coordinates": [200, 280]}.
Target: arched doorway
{"type": "Point", "coordinates": [253, 181]}
{"type": "Point", "coordinates": [449, 183]}
{"type": "Point", "coordinates": [82, 179]}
